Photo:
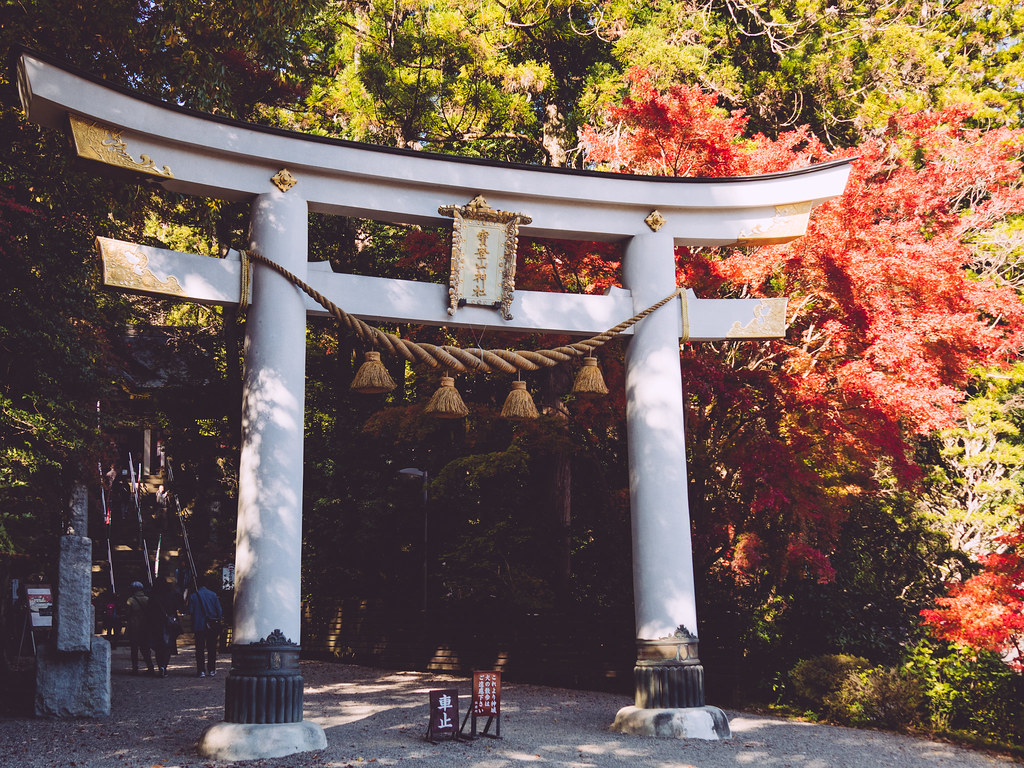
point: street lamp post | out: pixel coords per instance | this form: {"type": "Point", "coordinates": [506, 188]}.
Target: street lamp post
{"type": "Point", "coordinates": [422, 476]}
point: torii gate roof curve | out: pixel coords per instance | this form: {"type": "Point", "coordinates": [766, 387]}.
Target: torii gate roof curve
{"type": "Point", "coordinates": [203, 154]}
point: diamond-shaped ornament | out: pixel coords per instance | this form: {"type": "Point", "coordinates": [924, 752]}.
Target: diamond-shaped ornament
{"type": "Point", "coordinates": [655, 220]}
{"type": "Point", "coordinates": [284, 180]}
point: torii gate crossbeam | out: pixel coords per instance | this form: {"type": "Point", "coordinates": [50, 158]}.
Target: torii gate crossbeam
{"type": "Point", "coordinates": [285, 176]}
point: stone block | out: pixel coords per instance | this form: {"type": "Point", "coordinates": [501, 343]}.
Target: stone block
{"type": "Point", "coordinates": [707, 723]}
{"type": "Point", "coordinates": [245, 741]}
{"type": "Point", "coordinates": [73, 684]}
{"type": "Point", "coordinates": [78, 510]}
{"type": "Point", "coordinates": [73, 614]}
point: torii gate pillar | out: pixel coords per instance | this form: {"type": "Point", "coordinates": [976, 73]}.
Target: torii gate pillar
{"type": "Point", "coordinates": [669, 676]}
{"type": "Point", "coordinates": [263, 692]}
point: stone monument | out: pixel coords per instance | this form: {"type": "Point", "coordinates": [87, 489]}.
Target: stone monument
{"type": "Point", "coordinates": [73, 669]}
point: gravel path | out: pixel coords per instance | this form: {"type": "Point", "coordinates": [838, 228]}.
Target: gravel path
{"type": "Point", "coordinates": [379, 716]}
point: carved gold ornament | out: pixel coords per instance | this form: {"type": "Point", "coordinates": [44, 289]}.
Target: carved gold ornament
{"type": "Point", "coordinates": [125, 265]}
{"type": "Point", "coordinates": [655, 220]}
{"type": "Point", "coordinates": [484, 244]}
{"type": "Point", "coordinates": [788, 223]}
{"type": "Point", "coordinates": [96, 141]}
{"type": "Point", "coordinates": [284, 180]}
{"type": "Point", "coordinates": [769, 322]}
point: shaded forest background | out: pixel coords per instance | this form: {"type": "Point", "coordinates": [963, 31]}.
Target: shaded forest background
{"type": "Point", "coordinates": [840, 478]}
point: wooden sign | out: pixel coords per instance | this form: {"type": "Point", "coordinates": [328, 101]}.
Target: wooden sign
{"type": "Point", "coordinates": [487, 693]}
{"type": "Point", "coordinates": [484, 243]}
{"type": "Point", "coordinates": [40, 605]}
{"type": "Point", "coordinates": [444, 714]}
{"type": "Point", "coordinates": [486, 702]}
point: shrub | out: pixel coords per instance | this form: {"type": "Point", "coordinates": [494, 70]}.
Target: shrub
{"type": "Point", "coordinates": [969, 690]}
{"type": "Point", "coordinates": [816, 679]}
{"type": "Point", "coordinates": [881, 697]}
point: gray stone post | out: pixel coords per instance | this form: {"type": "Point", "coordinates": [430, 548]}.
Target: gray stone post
{"type": "Point", "coordinates": [73, 669]}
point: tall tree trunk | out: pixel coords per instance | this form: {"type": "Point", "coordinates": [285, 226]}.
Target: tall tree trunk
{"type": "Point", "coordinates": [556, 381]}
{"type": "Point", "coordinates": [554, 138]}
{"type": "Point", "coordinates": [227, 231]}
{"type": "Point", "coordinates": [561, 502]}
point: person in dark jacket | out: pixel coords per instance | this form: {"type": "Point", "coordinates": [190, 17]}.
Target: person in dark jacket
{"type": "Point", "coordinates": [162, 622]}
{"type": "Point", "coordinates": [207, 618]}
{"type": "Point", "coordinates": [136, 627]}
{"type": "Point", "coordinates": [106, 609]}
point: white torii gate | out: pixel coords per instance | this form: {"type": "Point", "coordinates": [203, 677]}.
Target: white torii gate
{"type": "Point", "coordinates": [286, 175]}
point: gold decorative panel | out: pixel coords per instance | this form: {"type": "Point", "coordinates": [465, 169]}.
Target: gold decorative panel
{"type": "Point", "coordinates": [96, 141]}
{"type": "Point", "coordinates": [788, 223]}
{"type": "Point", "coordinates": [125, 265]}
{"type": "Point", "coordinates": [769, 322]}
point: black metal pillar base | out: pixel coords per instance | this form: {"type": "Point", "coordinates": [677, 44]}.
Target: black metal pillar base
{"type": "Point", "coordinates": [668, 673]}
{"type": "Point", "coordinates": [264, 684]}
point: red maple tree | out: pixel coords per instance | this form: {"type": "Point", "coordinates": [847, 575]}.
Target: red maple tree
{"type": "Point", "coordinates": [886, 319]}
{"type": "Point", "coordinates": [987, 610]}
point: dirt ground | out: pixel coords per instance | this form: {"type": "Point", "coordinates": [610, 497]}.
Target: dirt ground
{"type": "Point", "coordinates": [380, 716]}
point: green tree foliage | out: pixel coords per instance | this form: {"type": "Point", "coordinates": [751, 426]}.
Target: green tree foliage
{"type": "Point", "coordinates": [59, 338]}
{"type": "Point", "coordinates": [968, 690]}
{"type": "Point", "coordinates": [978, 485]}
{"type": "Point", "coordinates": [228, 58]}
{"type": "Point", "coordinates": [840, 68]}
{"type": "Point", "coordinates": [64, 343]}
{"type": "Point", "coordinates": [488, 79]}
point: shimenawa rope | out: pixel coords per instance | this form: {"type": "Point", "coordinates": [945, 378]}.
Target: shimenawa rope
{"type": "Point", "coordinates": [453, 358]}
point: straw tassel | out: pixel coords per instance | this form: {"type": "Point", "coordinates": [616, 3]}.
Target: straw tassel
{"type": "Point", "coordinates": [519, 403]}
{"type": "Point", "coordinates": [447, 402]}
{"type": "Point", "coordinates": [589, 380]}
{"type": "Point", "coordinates": [372, 378]}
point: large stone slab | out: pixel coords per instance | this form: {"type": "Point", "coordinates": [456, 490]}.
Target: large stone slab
{"type": "Point", "coordinates": [708, 723]}
{"type": "Point", "coordinates": [241, 741]}
{"type": "Point", "coordinates": [73, 613]}
{"type": "Point", "coordinates": [73, 684]}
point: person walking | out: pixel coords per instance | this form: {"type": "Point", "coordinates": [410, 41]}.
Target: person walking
{"type": "Point", "coordinates": [135, 626]}
{"type": "Point", "coordinates": [106, 608]}
{"type": "Point", "coordinates": [162, 498]}
{"type": "Point", "coordinates": [207, 619]}
{"type": "Point", "coordinates": [162, 623]}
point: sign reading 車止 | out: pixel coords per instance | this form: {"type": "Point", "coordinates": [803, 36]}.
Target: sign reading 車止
{"type": "Point", "coordinates": [483, 269]}
{"type": "Point", "coordinates": [444, 714]}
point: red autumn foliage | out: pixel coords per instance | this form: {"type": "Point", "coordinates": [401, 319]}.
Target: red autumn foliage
{"type": "Point", "coordinates": [886, 319]}
{"type": "Point", "coordinates": [987, 610]}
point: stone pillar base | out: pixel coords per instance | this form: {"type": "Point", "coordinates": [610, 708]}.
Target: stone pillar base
{"type": "Point", "coordinates": [264, 686]}
{"type": "Point", "coordinates": [709, 723]}
{"type": "Point", "coordinates": [668, 673]}
{"type": "Point", "coordinates": [244, 741]}
{"type": "Point", "coordinates": [73, 684]}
